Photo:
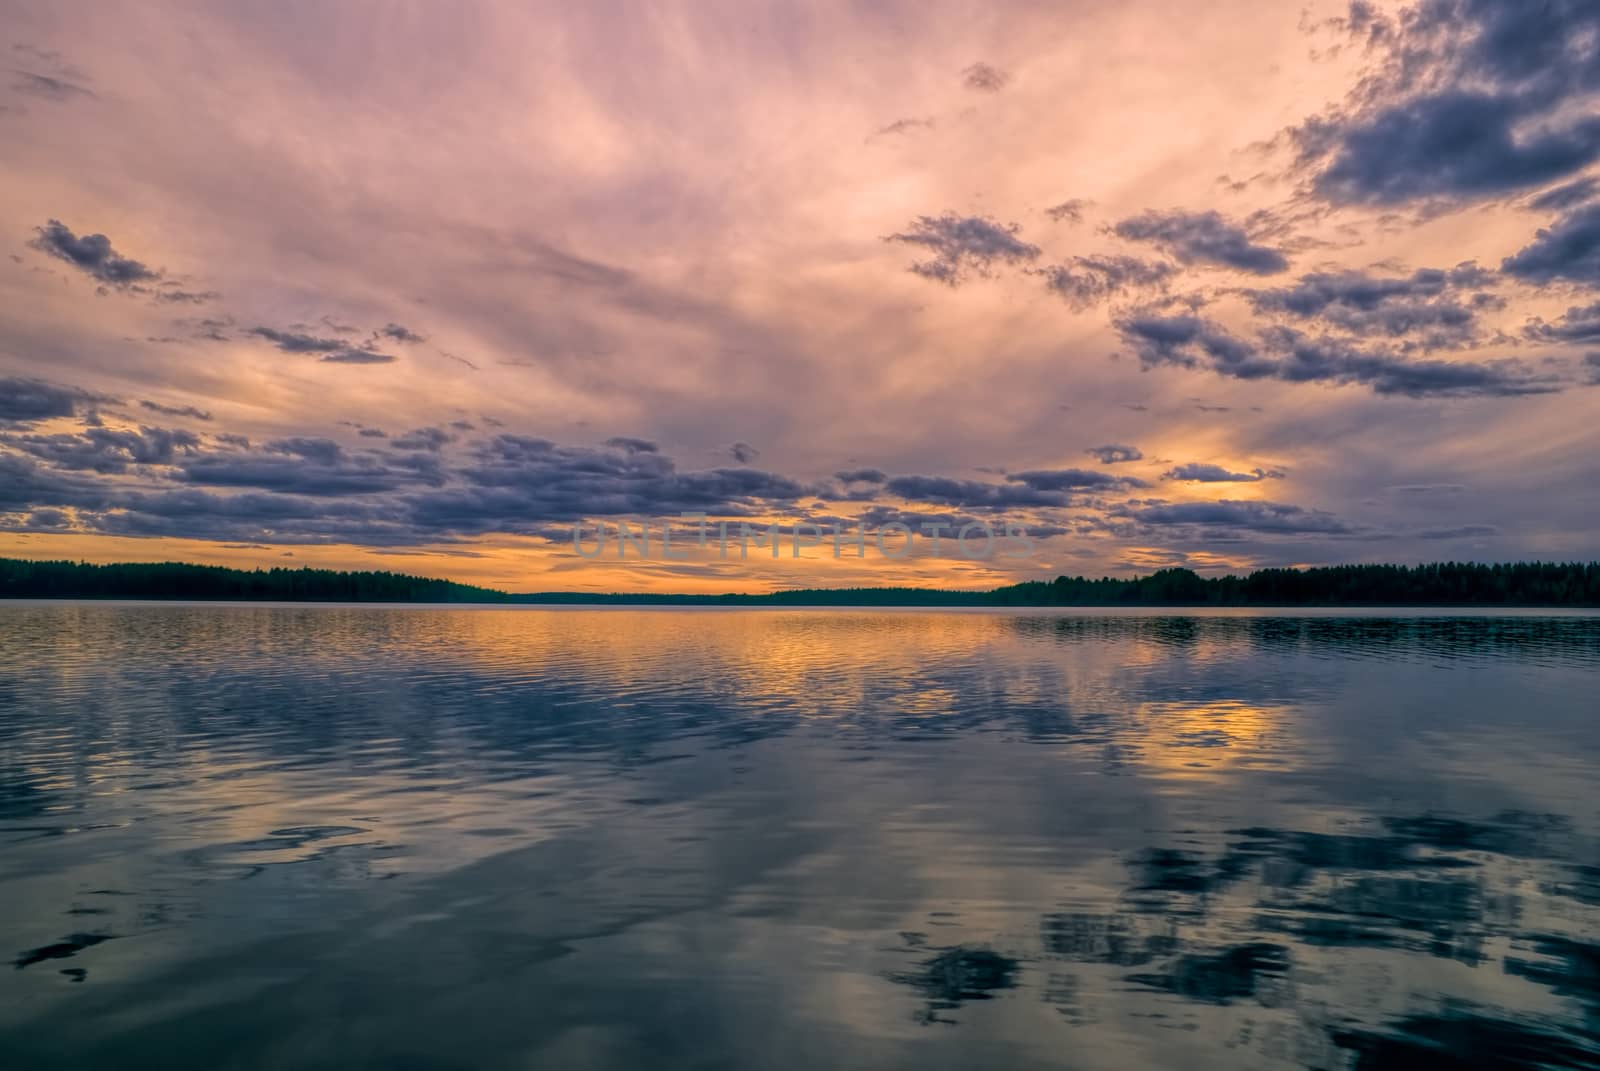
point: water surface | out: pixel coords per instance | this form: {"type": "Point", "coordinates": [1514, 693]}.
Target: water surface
{"type": "Point", "coordinates": [316, 836]}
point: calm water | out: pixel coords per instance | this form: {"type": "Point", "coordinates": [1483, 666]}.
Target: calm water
{"type": "Point", "coordinates": [241, 837]}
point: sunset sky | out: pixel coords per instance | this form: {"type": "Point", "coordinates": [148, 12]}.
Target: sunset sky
{"type": "Point", "coordinates": [418, 286]}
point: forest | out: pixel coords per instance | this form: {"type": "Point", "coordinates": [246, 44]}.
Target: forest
{"type": "Point", "coordinates": [1439, 584]}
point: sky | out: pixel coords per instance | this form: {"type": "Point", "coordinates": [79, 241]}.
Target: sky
{"type": "Point", "coordinates": [422, 287]}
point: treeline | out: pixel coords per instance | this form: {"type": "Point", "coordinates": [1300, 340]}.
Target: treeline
{"type": "Point", "coordinates": [174, 580]}
{"type": "Point", "coordinates": [1442, 584]}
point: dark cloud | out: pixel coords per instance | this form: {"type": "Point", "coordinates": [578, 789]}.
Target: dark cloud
{"type": "Point", "coordinates": [1197, 472]}
{"type": "Point", "coordinates": [64, 82]}
{"type": "Point", "coordinates": [108, 450]}
{"type": "Point", "coordinates": [1113, 454]}
{"type": "Point", "coordinates": [399, 333]}
{"type": "Point", "coordinates": [1074, 480]}
{"type": "Point", "coordinates": [173, 293]}
{"type": "Point", "coordinates": [946, 525]}
{"type": "Point", "coordinates": [1315, 293]}
{"type": "Point", "coordinates": [373, 433]}
{"type": "Point", "coordinates": [1084, 281]}
{"type": "Point", "coordinates": [1466, 99]}
{"type": "Point", "coordinates": [175, 410]}
{"type": "Point", "coordinates": [861, 476]}
{"type": "Point", "coordinates": [1250, 516]}
{"type": "Point", "coordinates": [26, 485]}
{"type": "Point", "coordinates": [1464, 531]}
{"type": "Point", "coordinates": [48, 519]}
{"type": "Point", "coordinates": [984, 78]}
{"type": "Point", "coordinates": [26, 401]}
{"type": "Point", "coordinates": [1567, 195]}
{"type": "Point", "coordinates": [1191, 341]}
{"type": "Point", "coordinates": [1070, 210]}
{"type": "Point", "coordinates": [306, 466]}
{"type": "Point", "coordinates": [743, 453]}
{"type": "Point", "coordinates": [514, 479]}
{"type": "Point", "coordinates": [1037, 488]}
{"type": "Point", "coordinates": [1579, 324]}
{"type": "Point", "coordinates": [336, 350]}
{"type": "Point", "coordinates": [1202, 238]}
{"type": "Point", "coordinates": [1432, 307]}
{"type": "Point", "coordinates": [322, 451]}
{"type": "Point", "coordinates": [963, 246]}
{"type": "Point", "coordinates": [971, 494]}
{"type": "Point", "coordinates": [91, 254]}
{"type": "Point", "coordinates": [1427, 489]}
{"type": "Point", "coordinates": [904, 126]}
{"type": "Point", "coordinates": [297, 342]}
{"type": "Point", "coordinates": [212, 329]}
{"type": "Point", "coordinates": [1568, 249]}
{"type": "Point", "coordinates": [632, 446]}
{"type": "Point", "coordinates": [358, 356]}
{"type": "Point", "coordinates": [431, 439]}
{"type": "Point", "coordinates": [48, 87]}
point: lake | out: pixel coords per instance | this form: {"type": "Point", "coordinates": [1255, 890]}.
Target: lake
{"type": "Point", "coordinates": [417, 837]}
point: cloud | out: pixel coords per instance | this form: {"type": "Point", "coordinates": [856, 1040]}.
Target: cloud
{"type": "Point", "coordinates": [1251, 516]}
{"type": "Point", "coordinates": [1466, 100]}
{"type": "Point", "coordinates": [904, 126]}
{"type": "Point", "coordinates": [1086, 280]}
{"type": "Point", "coordinates": [358, 356]}
{"type": "Point", "coordinates": [336, 350]}
{"type": "Point", "coordinates": [1427, 489]}
{"type": "Point", "coordinates": [944, 525]}
{"type": "Point", "coordinates": [1567, 195]}
{"type": "Point", "coordinates": [62, 84]}
{"type": "Point", "coordinates": [322, 451]}
{"type": "Point", "coordinates": [963, 246]}
{"type": "Point", "coordinates": [1191, 341]}
{"type": "Point", "coordinates": [91, 254]}
{"type": "Point", "coordinates": [1074, 480]}
{"type": "Point", "coordinates": [1463, 531]}
{"type": "Point", "coordinates": [1113, 454]}
{"type": "Point", "coordinates": [1568, 249]}
{"type": "Point", "coordinates": [861, 476]}
{"type": "Point", "coordinates": [1070, 210]}
{"type": "Point", "coordinates": [1202, 238]}
{"type": "Point", "coordinates": [108, 450]}
{"type": "Point", "coordinates": [27, 401]}
{"type": "Point", "coordinates": [399, 333]}
{"type": "Point", "coordinates": [306, 489]}
{"type": "Point", "coordinates": [630, 445]}
{"type": "Point", "coordinates": [175, 410]}
{"type": "Point", "coordinates": [48, 87]}
{"type": "Point", "coordinates": [743, 453]}
{"type": "Point", "coordinates": [984, 79]}
{"type": "Point", "coordinates": [297, 342]}
{"type": "Point", "coordinates": [430, 439]}
{"type": "Point", "coordinates": [1579, 324]}
{"type": "Point", "coordinates": [308, 466]}
{"type": "Point", "coordinates": [1036, 488]}
{"type": "Point", "coordinates": [25, 485]}
{"type": "Point", "coordinates": [1432, 305]}
{"type": "Point", "coordinates": [1197, 472]}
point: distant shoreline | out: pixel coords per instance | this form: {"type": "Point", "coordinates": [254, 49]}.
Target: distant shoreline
{"type": "Point", "coordinates": [1458, 585]}
{"type": "Point", "coordinates": [1287, 612]}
